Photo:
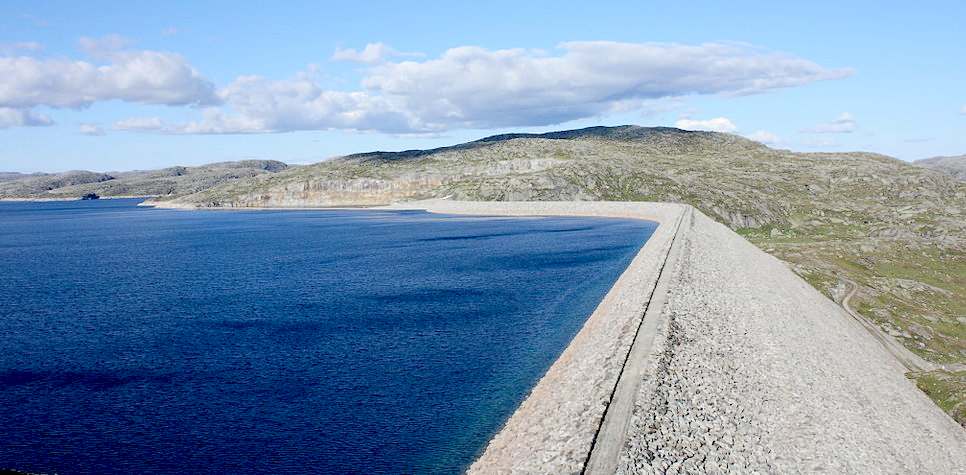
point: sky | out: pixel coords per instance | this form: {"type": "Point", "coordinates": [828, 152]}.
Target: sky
{"type": "Point", "coordinates": [137, 85]}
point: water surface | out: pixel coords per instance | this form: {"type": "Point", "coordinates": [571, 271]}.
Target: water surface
{"type": "Point", "coordinates": [143, 340]}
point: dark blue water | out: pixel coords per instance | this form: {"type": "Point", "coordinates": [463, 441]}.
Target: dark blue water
{"type": "Point", "coordinates": [142, 340]}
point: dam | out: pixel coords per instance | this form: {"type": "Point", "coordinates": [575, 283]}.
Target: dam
{"type": "Point", "coordinates": [711, 356]}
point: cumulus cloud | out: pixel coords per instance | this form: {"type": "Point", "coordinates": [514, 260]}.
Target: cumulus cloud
{"type": "Point", "coordinates": [145, 77]}
{"type": "Point", "coordinates": [373, 53]}
{"type": "Point", "coordinates": [764, 137]}
{"type": "Point", "coordinates": [718, 124]}
{"type": "Point", "coordinates": [12, 117]}
{"type": "Point", "coordinates": [475, 87]}
{"type": "Point", "coordinates": [465, 87]}
{"type": "Point", "coordinates": [90, 129]}
{"type": "Point", "coordinates": [843, 124]}
{"type": "Point", "coordinates": [263, 106]}
{"type": "Point", "coordinates": [472, 87]}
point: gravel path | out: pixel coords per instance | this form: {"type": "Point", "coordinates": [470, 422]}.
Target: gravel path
{"type": "Point", "coordinates": [910, 360]}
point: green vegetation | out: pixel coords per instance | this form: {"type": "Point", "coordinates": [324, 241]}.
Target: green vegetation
{"type": "Point", "coordinates": [947, 389]}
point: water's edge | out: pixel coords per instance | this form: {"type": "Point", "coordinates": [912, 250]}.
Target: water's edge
{"type": "Point", "coordinates": [555, 429]}
{"type": "Point", "coordinates": [556, 426]}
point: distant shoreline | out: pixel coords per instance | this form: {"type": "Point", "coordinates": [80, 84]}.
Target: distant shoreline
{"type": "Point", "coordinates": [174, 206]}
{"type": "Point", "coordinates": [44, 200]}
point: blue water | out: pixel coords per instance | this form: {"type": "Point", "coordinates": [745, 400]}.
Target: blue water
{"type": "Point", "coordinates": [140, 340]}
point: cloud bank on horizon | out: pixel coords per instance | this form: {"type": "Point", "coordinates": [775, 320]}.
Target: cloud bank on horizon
{"type": "Point", "coordinates": [465, 87]}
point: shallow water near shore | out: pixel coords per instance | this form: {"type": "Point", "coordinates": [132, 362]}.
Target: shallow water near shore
{"type": "Point", "coordinates": [145, 340]}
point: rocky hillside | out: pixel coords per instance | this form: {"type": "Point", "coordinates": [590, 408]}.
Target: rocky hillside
{"type": "Point", "coordinates": [893, 232]}
{"type": "Point", "coordinates": [955, 166]}
{"type": "Point", "coordinates": [7, 176]}
{"type": "Point", "coordinates": [168, 182]}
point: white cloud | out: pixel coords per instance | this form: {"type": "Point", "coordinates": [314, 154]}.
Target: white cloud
{"type": "Point", "coordinates": [764, 137]}
{"type": "Point", "coordinates": [472, 87]}
{"type": "Point", "coordinates": [170, 31]}
{"type": "Point", "coordinates": [140, 124]}
{"type": "Point", "coordinates": [475, 87]}
{"type": "Point", "coordinates": [11, 117]}
{"type": "Point", "coordinates": [146, 77]}
{"type": "Point", "coordinates": [843, 124]}
{"type": "Point", "coordinates": [718, 124]}
{"type": "Point", "coordinates": [962, 110]}
{"type": "Point", "coordinates": [90, 129]}
{"type": "Point", "coordinates": [373, 53]}
{"type": "Point", "coordinates": [466, 87]}
{"type": "Point", "coordinates": [264, 106]}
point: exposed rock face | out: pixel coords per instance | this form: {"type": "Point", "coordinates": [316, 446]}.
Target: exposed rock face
{"type": "Point", "coordinates": [954, 166]}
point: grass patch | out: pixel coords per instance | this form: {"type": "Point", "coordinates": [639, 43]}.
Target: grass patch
{"type": "Point", "coordinates": [947, 389]}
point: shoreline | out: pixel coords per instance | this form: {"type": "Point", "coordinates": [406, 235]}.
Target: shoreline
{"type": "Point", "coordinates": [55, 199]}
{"type": "Point", "coordinates": [184, 207]}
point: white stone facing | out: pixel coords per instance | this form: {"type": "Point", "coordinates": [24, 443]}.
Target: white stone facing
{"type": "Point", "coordinates": [749, 369]}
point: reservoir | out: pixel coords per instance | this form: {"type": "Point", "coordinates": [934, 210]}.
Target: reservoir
{"type": "Point", "coordinates": [285, 341]}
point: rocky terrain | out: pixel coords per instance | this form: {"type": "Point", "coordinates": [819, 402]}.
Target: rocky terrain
{"type": "Point", "coordinates": [894, 230]}
{"type": "Point", "coordinates": [7, 176]}
{"type": "Point", "coordinates": [168, 182]}
{"type": "Point", "coordinates": [955, 166]}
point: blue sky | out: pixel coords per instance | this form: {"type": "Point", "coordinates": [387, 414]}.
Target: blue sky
{"type": "Point", "coordinates": [127, 85]}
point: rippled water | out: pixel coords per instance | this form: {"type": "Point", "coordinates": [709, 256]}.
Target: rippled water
{"type": "Point", "coordinates": [142, 340]}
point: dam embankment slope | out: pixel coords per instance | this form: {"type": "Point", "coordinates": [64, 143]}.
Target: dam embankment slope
{"type": "Point", "coordinates": [757, 371]}
{"type": "Point", "coordinates": [709, 355]}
